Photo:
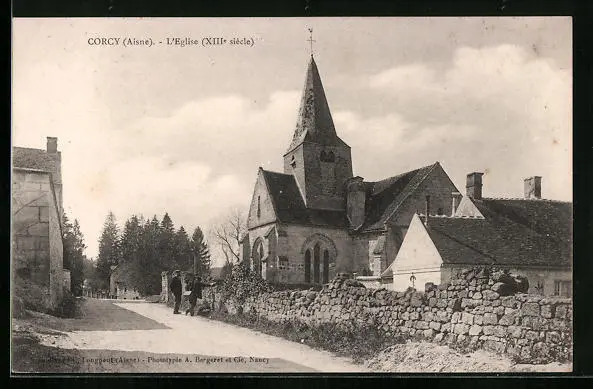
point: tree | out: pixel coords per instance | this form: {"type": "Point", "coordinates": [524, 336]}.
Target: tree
{"type": "Point", "coordinates": [228, 235]}
{"type": "Point", "coordinates": [108, 250]}
{"type": "Point", "coordinates": [201, 252]}
{"type": "Point", "coordinates": [73, 243]}
{"type": "Point", "coordinates": [182, 250]}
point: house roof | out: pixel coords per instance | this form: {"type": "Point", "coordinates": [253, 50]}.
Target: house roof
{"type": "Point", "coordinates": [290, 207]}
{"type": "Point", "coordinates": [28, 158]}
{"type": "Point", "coordinates": [512, 233]}
{"type": "Point", "coordinates": [386, 196]}
{"type": "Point", "coordinates": [314, 122]}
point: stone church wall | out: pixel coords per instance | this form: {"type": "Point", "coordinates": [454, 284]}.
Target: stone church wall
{"type": "Point", "coordinates": [472, 310]}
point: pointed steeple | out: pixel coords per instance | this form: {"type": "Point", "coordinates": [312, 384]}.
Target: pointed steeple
{"type": "Point", "coordinates": [314, 123]}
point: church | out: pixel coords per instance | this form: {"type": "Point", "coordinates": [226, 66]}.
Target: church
{"type": "Point", "coordinates": [317, 219]}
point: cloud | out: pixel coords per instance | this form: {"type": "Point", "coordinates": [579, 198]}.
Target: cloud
{"type": "Point", "coordinates": [496, 109]}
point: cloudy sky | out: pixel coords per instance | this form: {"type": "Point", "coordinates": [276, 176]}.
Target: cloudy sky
{"type": "Point", "coordinates": [144, 130]}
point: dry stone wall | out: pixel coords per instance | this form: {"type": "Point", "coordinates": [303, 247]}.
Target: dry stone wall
{"type": "Point", "coordinates": [479, 308]}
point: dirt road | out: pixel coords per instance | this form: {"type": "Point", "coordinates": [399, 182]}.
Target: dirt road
{"type": "Point", "coordinates": [238, 349]}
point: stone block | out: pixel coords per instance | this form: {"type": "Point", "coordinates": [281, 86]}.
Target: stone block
{"type": "Point", "coordinates": [461, 329]}
{"type": "Point", "coordinates": [547, 311]}
{"type": "Point", "coordinates": [553, 337]}
{"type": "Point", "coordinates": [490, 318]}
{"type": "Point", "coordinates": [27, 215]}
{"type": "Point", "coordinates": [462, 338]}
{"type": "Point", "coordinates": [561, 312]}
{"type": "Point", "coordinates": [494, 346]}
{"type": "Point", "coordinates": [467, 318]}
{"type": "Point", "coordinates": [490, 295]}
{"type": "Point", "coordinates": [535, 323]}
{"type": "Point", "coordinates": [422, 325]}
{"type": "Point", "coordinates": [558, 325]}
{"type": "Point", "coordinates": [435, 325]}
{"type": "Point", "coordinates": [428, 333]}
{"type": "Point", "coordinates": [475, 330]}
{"type": "Point", "coordinates": [477, 296]}
{"type": "Point", "coordinates": [500, 331]}
{"type": "Point", "coordinates": [439, 337]}
{"type": "Point", "coordinates": [532, 335]}
{"type": "Point", "coordinates": [498, 310]}
{"type": "Point", "coordinates": [478, 319]}
{"type": "Point", "coordinates": [515, 331]}
{"type": "Point", "coordinates": [530, 309]}
{"type": "Point", "coordinates": [488, 330]}
{"type": "Point", "coordinates": [507, 320]}
{"type": "Point", "coordinates": [509, 301]}
{"type": "Point", "coordinates": [456, 317]}
{"type": "Point", "coordinates": [446, 328]}
{"type": "Point", "coordinates": [39, 229]}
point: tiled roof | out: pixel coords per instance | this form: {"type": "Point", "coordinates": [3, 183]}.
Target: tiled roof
{"type": "Point", "coordinates": [23, 157]}
{"type": "Point", "coordinates": [385, 197]}
{"type": "Point", "coordinates": [314, 122]}
{"type": "Point", "coordinates": [512, 233]}
{"type": "Point", "coordinates": [290, 207]}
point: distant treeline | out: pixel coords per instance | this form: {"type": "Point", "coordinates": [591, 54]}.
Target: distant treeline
{"type": "Point", "coordinates": [145, 248]}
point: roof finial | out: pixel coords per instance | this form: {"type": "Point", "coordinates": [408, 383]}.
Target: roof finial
{"type": "Point", "coordinates": [310, 40]}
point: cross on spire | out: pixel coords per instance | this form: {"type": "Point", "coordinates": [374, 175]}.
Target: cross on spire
{"type": "Point", "coordinates": [311, 40]}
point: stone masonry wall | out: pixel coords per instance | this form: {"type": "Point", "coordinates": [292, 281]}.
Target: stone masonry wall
{"type": "Point", "coordinates": [477, 309]}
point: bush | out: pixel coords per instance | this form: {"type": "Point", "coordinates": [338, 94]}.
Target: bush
{"type": "Point", "coordinates": [69, 306]}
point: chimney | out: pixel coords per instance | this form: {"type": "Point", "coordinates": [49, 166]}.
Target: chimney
{"type": "Point", "coordinates": [455, 200]}
{"type": "Point", "coordinates": [474, 185]}
{"type": "Point", "coordinates": [355, 201]}
{"type": "Point", "coordinates": [52, 144]}
{"type": "Point", "coordinates": [533, 187]}
{"type": "Point", "coordinates": [427, 210]}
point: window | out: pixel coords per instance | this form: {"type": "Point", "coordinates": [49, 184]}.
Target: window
{"type": "Point", "coordinates": [258, 206]}
{"type": "Point", "coordinates": [563, 288]}
{"type": "Point", "coordinates": [283, 263]}
{"type": "Point", "coordinates": [292, 162]}
{"type": "Point", "coordinates": [327, 156]}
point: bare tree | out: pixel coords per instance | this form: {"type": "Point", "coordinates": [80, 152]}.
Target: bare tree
{"type": "Point", "coordinates": [228, 234]}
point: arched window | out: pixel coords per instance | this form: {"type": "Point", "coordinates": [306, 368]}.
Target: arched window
{"type": "Point", "coordinates": [258, 254]}
{"type": "Point", "coordinates": [308, 266]}
{"type": "Point", "coordinates": [258, 206]}
{"type": "Point", "coordinates": [325, 266]}
{"type": "Point", "coordinates": [316, 269]}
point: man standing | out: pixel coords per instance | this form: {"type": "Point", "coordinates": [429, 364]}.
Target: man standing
{"type": "Point", "coordinates": [176, 287]}
{"type": "Point", "coordinates": [196, 293]}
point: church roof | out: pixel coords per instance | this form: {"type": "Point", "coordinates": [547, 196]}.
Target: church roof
{"type": "Point", "coordinates": [512, 233]}
{"type": "Point", "coordinates": [386, 196]}
{"type": "Point", "coordinates": [314, 122]}
{"type": "Point", "coordinates": [290, 207]}
{"type": "Point", "coordinates": [28, 158]}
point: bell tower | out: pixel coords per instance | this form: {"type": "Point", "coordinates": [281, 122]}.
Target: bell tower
{"type": "Point", "coordinates": [319, 160]}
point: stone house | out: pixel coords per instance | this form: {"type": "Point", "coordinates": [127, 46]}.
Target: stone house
{"type": "Point", "coordinates": [530, 237]}
{"type": "Point", "coordinates": [37, 248]}
{"type": "Point", "coordinates": [317, 219]}
{"type": "Point", "coordinates": [119, 287]}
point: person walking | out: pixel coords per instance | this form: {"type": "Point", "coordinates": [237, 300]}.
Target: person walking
{"type": "Point", "coordinates": [196, 293]}
{"type": "Point", "coordinates": [176, 289]}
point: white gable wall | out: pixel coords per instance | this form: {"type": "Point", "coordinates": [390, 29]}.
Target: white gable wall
{"type": "Point", "coordinates": [417, 256]}
{"type": "Point", "coordinates": [467, 208]}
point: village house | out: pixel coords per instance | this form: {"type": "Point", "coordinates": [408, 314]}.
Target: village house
{"type": "Point", "coordinates": [531, 237]}
{"type": "Point", "coordinates": [37, 248]}
{"type": "Point", "coordinates": [316, 219]}
{"type": "Point", "coordinates": [119, 286]}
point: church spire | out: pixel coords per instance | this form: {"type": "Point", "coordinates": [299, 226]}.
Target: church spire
{"type": "Point", "coordinates": [314, 123]}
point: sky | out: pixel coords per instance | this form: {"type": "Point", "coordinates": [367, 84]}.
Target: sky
{"type": "Point", "coordinates": [148, 130]}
